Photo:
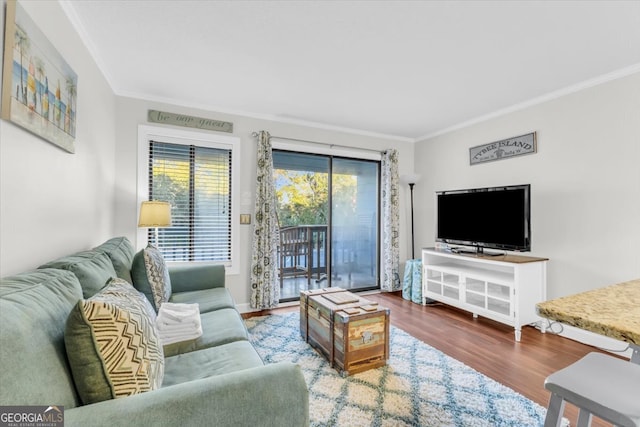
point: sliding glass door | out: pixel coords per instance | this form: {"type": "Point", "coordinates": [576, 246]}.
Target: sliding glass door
{"type": "Point", "coordinates": [328, 215]}
{"type": "Point", "coordinates": [354, 224]}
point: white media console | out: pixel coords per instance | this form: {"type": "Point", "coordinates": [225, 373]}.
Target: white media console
{"type": "Point", "coordinates": [504, 288]}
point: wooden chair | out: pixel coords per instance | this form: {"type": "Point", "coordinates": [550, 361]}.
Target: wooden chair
{"type": "Point", "coordinates": [599, 385]}
{"type": "Point", "coordinates": [294, 252]}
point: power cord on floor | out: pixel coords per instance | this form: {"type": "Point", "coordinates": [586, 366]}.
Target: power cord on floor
{"type": "Point", "coordinates": [549, 330]}
{"type": "Point", "coordinates": [614, 351]}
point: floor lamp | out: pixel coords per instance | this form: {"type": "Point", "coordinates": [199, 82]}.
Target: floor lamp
{"type": "Point", "coordinates": [411, 180]}
{"type": "Point", "coordinates": [413, 245]}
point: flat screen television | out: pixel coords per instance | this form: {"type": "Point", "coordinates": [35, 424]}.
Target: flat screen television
{"type": "Point", "coordinates": [492, 217]}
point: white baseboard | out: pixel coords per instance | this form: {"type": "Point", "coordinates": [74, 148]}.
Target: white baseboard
{"type": "Point", "coordinates": [244, 308]}
{"type": "Point", "coordinates": [601, 342]}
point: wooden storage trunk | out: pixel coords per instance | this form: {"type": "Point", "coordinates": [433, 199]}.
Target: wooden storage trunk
{"type": "Point", "coordinates": [352, 335]}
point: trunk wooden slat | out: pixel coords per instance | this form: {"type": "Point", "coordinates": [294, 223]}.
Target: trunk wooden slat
{"type": "Point", "coordinates": [363, 332]}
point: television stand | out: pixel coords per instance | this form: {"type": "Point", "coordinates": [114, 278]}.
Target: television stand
{"type": "Point", "coordinates": [503, 288]}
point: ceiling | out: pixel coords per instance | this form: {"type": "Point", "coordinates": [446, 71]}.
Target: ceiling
{"type": "Point", "coordinates": [402, 69]}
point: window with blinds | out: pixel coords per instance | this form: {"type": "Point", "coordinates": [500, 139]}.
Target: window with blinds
{"type": "Point", "coordinates": [196, 181]}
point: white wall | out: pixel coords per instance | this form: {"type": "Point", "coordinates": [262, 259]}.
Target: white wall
{"type": "Point", "coordinates": [51, 202]}
{"type": "Point", "coordinates": [585, 181]}
{"type": "Point", "coordinates": [133, 112]}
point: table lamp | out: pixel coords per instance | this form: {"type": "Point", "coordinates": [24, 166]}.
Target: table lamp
{"type": "Point", "coordinates": [155, 214]}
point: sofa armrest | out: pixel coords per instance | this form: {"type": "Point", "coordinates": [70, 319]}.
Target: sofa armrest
{"type": "Point", "coordinates": [196, 277]}
{"type": "Point", "coordinates": [271, 395]}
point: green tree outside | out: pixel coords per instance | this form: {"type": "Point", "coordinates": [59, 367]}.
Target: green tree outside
{"type": "Point", "coordinates": [303, 197]}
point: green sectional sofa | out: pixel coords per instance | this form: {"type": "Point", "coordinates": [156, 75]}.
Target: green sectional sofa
{"type": "Point", "coordinates": [217, 379]}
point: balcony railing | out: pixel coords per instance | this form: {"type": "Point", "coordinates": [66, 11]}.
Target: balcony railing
{"type": "Point", "coordinates": [303, 252]}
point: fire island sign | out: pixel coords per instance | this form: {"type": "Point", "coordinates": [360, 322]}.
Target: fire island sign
{"type": "Point", "coordinates": [503, 149]}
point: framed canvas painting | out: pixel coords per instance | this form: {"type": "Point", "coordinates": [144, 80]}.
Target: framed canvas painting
{"type": "Point", "coordinates": [39, 88]}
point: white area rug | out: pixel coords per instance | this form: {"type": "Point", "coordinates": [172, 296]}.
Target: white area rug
{"type": "Point", "coordinates": [420, 386]}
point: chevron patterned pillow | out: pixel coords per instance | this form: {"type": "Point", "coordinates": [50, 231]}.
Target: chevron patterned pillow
{"type": "Point", "coordinates": [158, 275]}
{"type": "Point", "coordinates": [112, 344]}
{"type": "Point", "coordinates": [151, 276]}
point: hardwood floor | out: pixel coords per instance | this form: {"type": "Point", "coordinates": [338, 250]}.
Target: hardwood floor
{"type": "Point", "coordinates": [487, 346]}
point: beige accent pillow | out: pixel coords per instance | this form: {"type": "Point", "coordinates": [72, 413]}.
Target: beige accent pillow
{"type": "Point", "coordinates": [112, 344]}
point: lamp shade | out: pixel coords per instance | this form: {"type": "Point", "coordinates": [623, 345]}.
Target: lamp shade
{"type": "Point", "coordinates": [155, 214]}
{"type": "Point", "coordinates": [409, 178]}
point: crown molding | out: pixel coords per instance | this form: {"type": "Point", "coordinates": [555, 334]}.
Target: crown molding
{"type": "Point", "coordinates": [70, 11]}
{"type": "Point", "coordinates": [618, 74]}
{"type": "Point", "coordinates": [261, 116]}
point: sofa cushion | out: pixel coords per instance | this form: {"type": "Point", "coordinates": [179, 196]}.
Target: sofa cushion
{"type": "Point", "coordinates": [186, 277]}
{"type": "Point", "coordinates": [34, 307]}
{"type": "Point", "coordinates": [218, 327]}
{"type": "Point", "coordinates": [121, 252]}
{"type": "Point", "coordinates": [92, 268]}
{"type": "Point", "coordinates": [209, 362]}
{"type": "Point", "coordinates": [208, 300]}
{"type": "Point", "coordinates": [151, 276]}
{"type": "Point", "coordinates": [113, 345]}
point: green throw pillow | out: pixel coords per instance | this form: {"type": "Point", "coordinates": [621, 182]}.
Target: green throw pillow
{"type": "Point", "coordinates": [151, 276]}
{"type": "Point", "coordinates": [113, 345]}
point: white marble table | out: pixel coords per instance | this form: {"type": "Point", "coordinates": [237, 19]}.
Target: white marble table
{"type": "Point", "coordinates": [613, 311]}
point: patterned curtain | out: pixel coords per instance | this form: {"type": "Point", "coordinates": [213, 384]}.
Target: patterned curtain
{"type": "Point", "coordinates": [265, 291]}
{"type": "Point", "coordinates": [390, 222]}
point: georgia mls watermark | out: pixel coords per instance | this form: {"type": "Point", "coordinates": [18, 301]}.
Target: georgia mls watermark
{"type": "Point", "coordinates": [31, 416]}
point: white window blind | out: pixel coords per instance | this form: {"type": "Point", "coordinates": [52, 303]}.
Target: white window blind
{"type": "Point", "coordinates": [196, 181]}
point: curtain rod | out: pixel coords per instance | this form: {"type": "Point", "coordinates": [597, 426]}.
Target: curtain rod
{"type": "Point", "coordinates": [254, 134]}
